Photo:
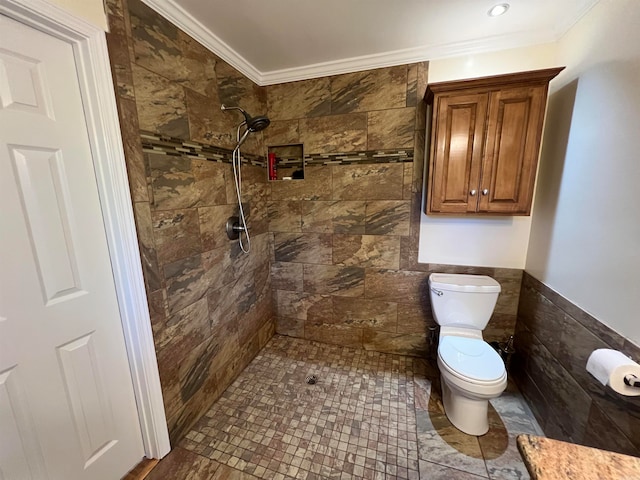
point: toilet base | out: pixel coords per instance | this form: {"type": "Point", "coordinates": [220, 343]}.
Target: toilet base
{"type": "Point", "coordinates": [466, 414]}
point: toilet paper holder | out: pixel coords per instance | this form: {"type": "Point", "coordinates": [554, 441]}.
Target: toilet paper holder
{"type": "Point", "coordinates": [616, 370]}
{"type": "Point", "coordinates": [631, 380]}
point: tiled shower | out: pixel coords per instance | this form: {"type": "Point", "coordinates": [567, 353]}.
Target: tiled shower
{"type": "Point", "coordinates": [334, 257]}
{"type": "Point", "coordinates": [210, 304]}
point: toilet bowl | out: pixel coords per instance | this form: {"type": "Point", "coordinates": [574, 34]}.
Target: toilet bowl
{"type": "Point", "coordinates": [471, 371]}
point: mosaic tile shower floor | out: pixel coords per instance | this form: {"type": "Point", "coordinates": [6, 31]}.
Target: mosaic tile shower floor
{"type": "Point", "coordinates": [370, 415]}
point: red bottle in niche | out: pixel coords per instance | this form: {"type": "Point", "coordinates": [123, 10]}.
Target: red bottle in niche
{"type": "Point", "coordinates": [272, 167]}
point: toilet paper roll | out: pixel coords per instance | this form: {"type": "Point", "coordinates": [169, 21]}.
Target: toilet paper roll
{"type": "Point", "coordinates": [610, 367]}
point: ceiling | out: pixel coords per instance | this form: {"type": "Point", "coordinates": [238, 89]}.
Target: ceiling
{"type": "Point", "coordinates": [283, 40]}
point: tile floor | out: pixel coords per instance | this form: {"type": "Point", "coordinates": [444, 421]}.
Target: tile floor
{"type": "Point", "coordinates": [370, 415]}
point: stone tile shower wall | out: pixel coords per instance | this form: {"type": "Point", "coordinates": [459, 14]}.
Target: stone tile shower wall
{"type": "Point", "coordinates": [554, 339]}
{"type": "Point", "coordinates": [345, 265]}
{"type": "Point", "coordinates": [210, 304]}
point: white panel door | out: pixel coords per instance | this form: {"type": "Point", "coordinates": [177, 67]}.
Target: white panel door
{"type": "Point", "coordinates": [67, 407]}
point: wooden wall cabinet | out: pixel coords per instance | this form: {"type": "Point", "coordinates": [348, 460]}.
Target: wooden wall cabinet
{"type": "Point", "coordinates": [485, 142]}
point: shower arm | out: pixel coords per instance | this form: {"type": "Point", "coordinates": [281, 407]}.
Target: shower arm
{"type": "Point", "coordinates": [246, 116]}
{"type": "Point", "coordinates": [253, 124]}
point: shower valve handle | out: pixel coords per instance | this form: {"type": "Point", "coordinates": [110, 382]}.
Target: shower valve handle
{"type": "Point", "coordinates": [234, 228]}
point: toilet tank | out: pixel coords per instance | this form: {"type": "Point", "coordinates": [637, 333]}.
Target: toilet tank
{"type": "Point", "coordinates": [465, 301]}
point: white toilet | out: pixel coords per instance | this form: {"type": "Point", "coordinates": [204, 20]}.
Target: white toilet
{"type": "Point", "coordinates": [472, 372]}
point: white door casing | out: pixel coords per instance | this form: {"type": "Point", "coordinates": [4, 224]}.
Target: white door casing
{"type": "Point", "coordinates": [62, 346]}
{"type": "Point", "coordinates": [90, 55]}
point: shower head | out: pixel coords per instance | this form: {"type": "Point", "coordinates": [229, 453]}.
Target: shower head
{"type": "Point", "coordinates": [254, 124]}
{"type": "Point", "coordinates": [258, 123]}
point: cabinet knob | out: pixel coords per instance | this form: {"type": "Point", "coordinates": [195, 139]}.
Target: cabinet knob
{"type": "Point", "coordinates": [472, 193]}
{"type": "Point", "coordinates": [485, 191]}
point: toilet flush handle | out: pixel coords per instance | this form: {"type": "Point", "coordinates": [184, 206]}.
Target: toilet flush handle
{"type": "Point", "coordinates": [437, 292]}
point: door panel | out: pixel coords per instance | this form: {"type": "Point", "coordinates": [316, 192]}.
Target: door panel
{"type": "Point", "coordinates": [514, 122]}
{"type": "Point", "coordinates": [457, 145]}
{"type": "Point", "coordinates": [64, 374]}
{"type": "Point", "coordinates": [20, 455]}
{"type": "Point", "coordinates": [83, 381]}
{"type": "Point", "coordinates": [22, 84]}
{"type": "Point", "coordinates": [46, 208]}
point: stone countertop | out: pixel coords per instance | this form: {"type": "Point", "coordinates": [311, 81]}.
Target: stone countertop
{"type": "Point", "coordinates": [548, 459]}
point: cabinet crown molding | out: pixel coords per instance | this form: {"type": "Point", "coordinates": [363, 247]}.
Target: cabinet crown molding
{"type": "Point", "coordinates": [543, 76]}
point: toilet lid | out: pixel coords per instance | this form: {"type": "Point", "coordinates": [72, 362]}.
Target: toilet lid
{"type": "Point", "coordinates": [472, 358]}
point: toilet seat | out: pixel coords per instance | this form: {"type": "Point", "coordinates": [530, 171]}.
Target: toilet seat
{"type": "Point", "coordinates": [471, 360]}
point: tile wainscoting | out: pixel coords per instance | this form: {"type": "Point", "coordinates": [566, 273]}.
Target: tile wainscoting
{"type": "Point", "coordinates": [554, 339]}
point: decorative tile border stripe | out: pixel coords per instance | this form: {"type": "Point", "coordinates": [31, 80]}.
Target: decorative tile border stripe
{"type": "Point", "coordinates": [359, 158]}
{"type": "Point", "coordinates": [165, 145]}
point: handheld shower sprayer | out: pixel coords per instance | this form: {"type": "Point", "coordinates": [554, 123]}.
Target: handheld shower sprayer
{"type": "Point", "coordinates": [237, 225]}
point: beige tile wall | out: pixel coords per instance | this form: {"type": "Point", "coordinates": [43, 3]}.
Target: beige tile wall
{"type": "Point", "coordinates": [345, 264]}
{"type": "Point", "coordinates": [210, 304]}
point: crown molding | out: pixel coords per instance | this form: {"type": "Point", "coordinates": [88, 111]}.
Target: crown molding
{"type": "Point", "coordinates": [188, 23]}
{"type": "Point", "coordinates": [568, 23]}
{"type": "Point", "coordinates": [184, 20]}
{"type": "Point", "coordinates": [406, 56]}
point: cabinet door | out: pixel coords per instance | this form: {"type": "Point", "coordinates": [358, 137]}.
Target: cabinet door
{"type": "Point", "coordinates": [512, 146]}
{"type": "Point", "coordinates": [457, 144]}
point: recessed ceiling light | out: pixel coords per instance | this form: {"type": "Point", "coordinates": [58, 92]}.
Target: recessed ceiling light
{"type": "Point", "coordinates": [498, 10]}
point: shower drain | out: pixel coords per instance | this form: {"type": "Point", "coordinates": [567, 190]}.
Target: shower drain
{"type": "Point", "coordinates": [311, 379]}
